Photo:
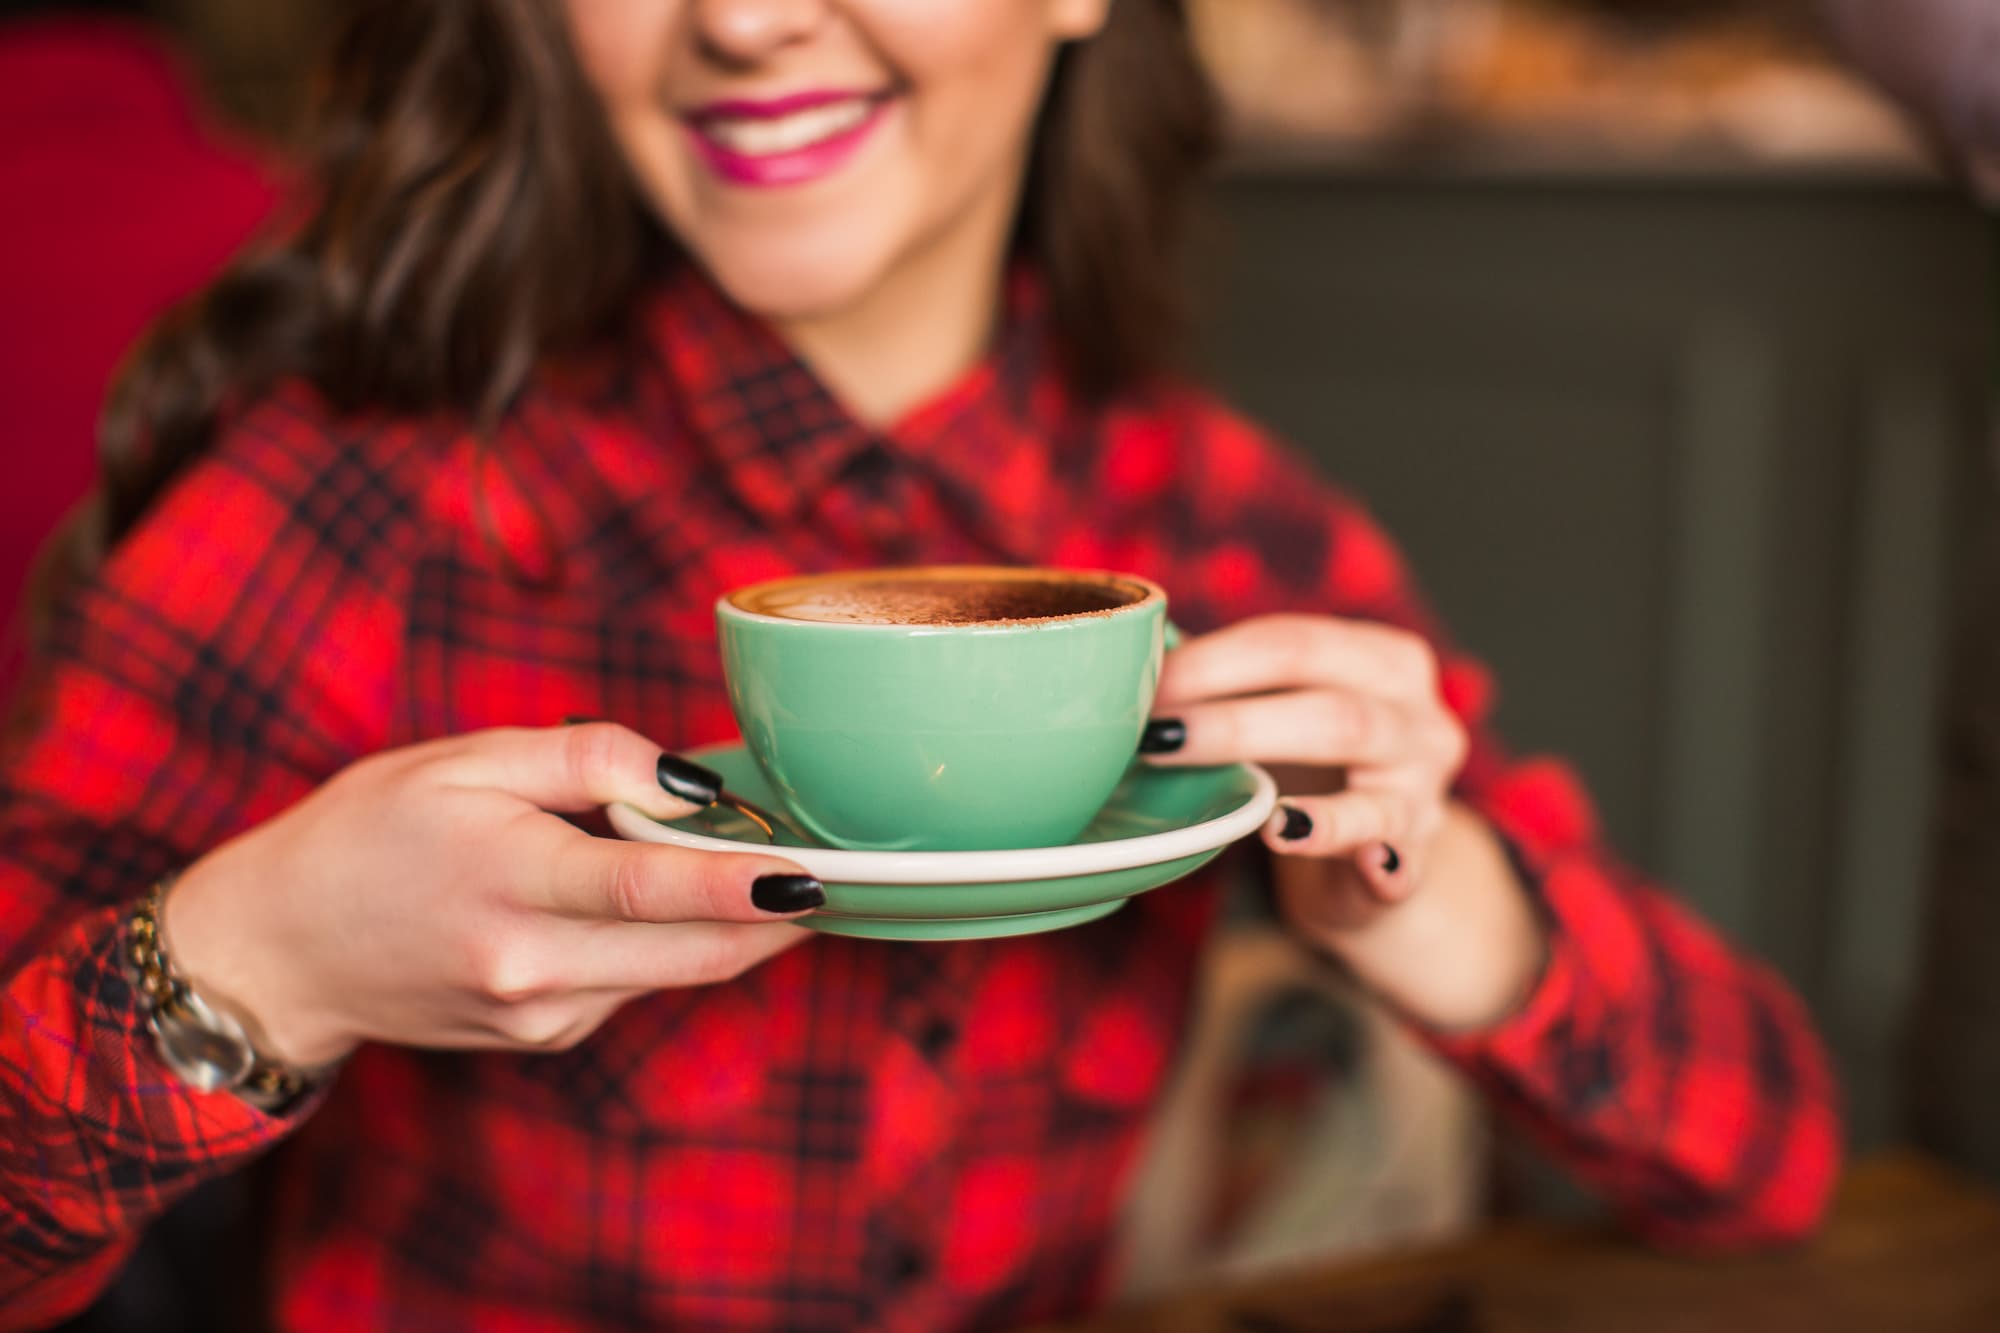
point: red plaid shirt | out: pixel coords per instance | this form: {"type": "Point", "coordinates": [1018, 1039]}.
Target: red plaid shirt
{"type": "Point", "coordinates": [857, 1134]}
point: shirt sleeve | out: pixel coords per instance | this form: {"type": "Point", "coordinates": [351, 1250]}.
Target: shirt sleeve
{"type": "Point", "coordinates": [1678, 1077]}
{"type": "Point", "coordinates": [235, 650]}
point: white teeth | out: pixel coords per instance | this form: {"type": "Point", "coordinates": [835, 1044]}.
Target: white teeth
{"type": "Point", "coordinates": [786, 134]}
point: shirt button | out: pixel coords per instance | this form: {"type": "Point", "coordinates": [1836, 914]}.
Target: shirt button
{"type": "Point", "coordinates": [1588, 1075]}
{"type": "Point", "coordinates": [908, 1264]}
{"type": "Point", "coordinates": [939, 1035]}
{"type": "Point", "coordinates": [869, 468]}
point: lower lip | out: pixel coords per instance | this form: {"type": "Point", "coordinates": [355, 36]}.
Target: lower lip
{"type": "Point", "coordinates": [800, 166]}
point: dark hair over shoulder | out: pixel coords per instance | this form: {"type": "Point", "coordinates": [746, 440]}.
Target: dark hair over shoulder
{"type": "Point", "coordinates": [459, 156]}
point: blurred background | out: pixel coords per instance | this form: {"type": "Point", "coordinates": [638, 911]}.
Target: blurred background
{"type": "Point", "coordinates": [1664, 345]}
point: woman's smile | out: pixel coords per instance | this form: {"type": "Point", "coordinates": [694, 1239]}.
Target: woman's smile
{"type": "Point", "coordinates": [785, 140]}
{"type": "Point", "coordinates": [850, 170]}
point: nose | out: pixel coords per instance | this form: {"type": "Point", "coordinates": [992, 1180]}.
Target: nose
{"type": "Point", "coordinates": [748, 32]}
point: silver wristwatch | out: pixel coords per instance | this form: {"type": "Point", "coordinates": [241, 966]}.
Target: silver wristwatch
{"type": "Point", "coordinates": [208, 1048]}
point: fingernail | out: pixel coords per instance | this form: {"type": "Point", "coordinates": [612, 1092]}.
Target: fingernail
{"type": "Point", "coordinates": [1298, 825]}
{"type": "Point", "coordinates": [1392, 860]}
{"type": "Point", "coordinates": [787, 893]}
{"type": "Point", "coordinates": [1163, 735]}
{"type": "Point", "coordinates": [578, 719]}
{"type": "Point", "coordinates": [688, 780]}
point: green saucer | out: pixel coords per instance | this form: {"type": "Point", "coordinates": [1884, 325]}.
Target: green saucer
{"type": "Point", "coordinates": [1201, 810]}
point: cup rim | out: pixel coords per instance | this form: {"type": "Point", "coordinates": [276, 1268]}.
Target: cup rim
{"type": "Point", "coordinates": [1152, 595]}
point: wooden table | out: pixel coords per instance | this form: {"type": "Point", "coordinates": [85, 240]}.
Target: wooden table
{"type": "Point", "coordinates": [1910, 1248]}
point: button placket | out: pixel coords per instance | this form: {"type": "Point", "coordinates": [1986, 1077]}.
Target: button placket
{"type": "Point", "coordinates": [929, 983]}
{"type": "Point", "coordinates": [938, 1038]}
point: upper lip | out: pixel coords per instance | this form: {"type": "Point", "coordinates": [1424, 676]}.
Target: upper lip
{"type": "Point", "coordinates": [770, 108]}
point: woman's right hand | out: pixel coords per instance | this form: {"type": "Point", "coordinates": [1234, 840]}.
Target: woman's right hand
{"type": "Point", "coordinates": [426, 897]}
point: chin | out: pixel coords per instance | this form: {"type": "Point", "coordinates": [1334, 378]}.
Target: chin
{"type": "Point", "coordinates": [792, 282]}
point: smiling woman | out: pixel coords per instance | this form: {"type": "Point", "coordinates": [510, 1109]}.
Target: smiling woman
{"type": "Point", "coordinates": [689, 295]}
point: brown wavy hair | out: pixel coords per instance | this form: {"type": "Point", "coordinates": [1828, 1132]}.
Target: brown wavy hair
{"type": "Point", "coordinates": [457, 155]}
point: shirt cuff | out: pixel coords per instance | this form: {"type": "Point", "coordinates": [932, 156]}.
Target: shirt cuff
{"type": "Point", "coordinates": [1556, 1050]}
{"type": "Point", "coordinates": [106, 1135]}
{"type": "Point", "coordinates": [108, 1022]}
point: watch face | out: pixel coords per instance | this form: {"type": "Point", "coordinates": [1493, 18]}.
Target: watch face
{"type": "Point", "coordinates": [206, 1057]}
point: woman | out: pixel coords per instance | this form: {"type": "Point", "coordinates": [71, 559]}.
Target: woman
{"type": "Point", "coordinates": [600, 309]}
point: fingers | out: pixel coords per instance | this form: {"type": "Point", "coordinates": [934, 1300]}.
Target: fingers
{"type": "Point", "coordinates": [1293, 652]}
{"type": "Point", "coordinates": [552, 995]}
{"type": "Point", "coordinates": [646, 957]}
{"type": "Point", "coordinates": [604, 879]}
{"type": "Point", "coordinates": [1332, 871]}
{"type": "Point", "coordinates": [1325, 727]}
{"type": "Point", "coordinates": [580, 768]}
{"type": "Point", "coordinates": [1382, 831]}
{"type": "Point", "coordinates": [1338, 825]}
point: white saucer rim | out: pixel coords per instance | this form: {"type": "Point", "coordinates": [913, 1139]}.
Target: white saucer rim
{"type": "Point", "coordinates": [840, 865]}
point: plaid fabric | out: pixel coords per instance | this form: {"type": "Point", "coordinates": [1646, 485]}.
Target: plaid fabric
{"type": "Point", "coordinates": [856, 1134]}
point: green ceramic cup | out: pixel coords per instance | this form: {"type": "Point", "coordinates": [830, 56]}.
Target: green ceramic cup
{"type": "Point", "coordinates": [952, 733]}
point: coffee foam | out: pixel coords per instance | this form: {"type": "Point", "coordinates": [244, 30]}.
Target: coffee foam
{"type": "Point", "coordinates": [939, 599]}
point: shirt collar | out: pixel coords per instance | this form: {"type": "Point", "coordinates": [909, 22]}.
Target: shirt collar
{"type": "Point", "coordinates": [779, 439]}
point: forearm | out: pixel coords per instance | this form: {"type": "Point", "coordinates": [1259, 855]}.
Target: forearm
{"type": "Point", "coordinates": [97, 1136]}
{"type": "Point", "coordinates": [1684, 1083]}
{"type": "Point", "coordinates": [1681, 1079]}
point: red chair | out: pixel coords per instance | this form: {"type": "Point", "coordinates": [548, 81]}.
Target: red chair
{"type": "Point", "coordinates": [122, 198]}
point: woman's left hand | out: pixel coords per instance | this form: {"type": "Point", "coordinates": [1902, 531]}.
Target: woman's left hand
{"type": "Point", "coordinates": [1376, 864]}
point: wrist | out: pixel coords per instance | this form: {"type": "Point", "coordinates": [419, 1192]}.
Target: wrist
{"type": "Point", "coordinates": [216, 941]}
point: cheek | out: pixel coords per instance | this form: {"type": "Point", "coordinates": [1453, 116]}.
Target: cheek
{"type": "Point", "coordinates": [948, 26]}
{"type": "Point", "coordinates": [977, 68]}
{"type": "Point", "coordinates": [977, 45]}
{"type": "Point", "coordinates": [616, 44]}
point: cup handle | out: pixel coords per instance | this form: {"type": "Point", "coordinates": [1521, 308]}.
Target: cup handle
{"type": "Point", "coordinates": [1174, 636]}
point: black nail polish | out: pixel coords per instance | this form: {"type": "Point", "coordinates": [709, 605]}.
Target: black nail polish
{"type": "Point", "coordinates": [1298, 825]}
{"type": "Point", "coordinates": [578, 719]}
{"type": "Point", "coordinates": [689, 780]}
{"type": "Point", "coordinates": [1392, 860]}
{"type": "Point", "coordinates": [1163, 735]}
{"type": "Point", "coordinates": [787, 893]}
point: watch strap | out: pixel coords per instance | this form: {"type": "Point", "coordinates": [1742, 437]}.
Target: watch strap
{"type": "Point", "coordinates": [206, 1046]}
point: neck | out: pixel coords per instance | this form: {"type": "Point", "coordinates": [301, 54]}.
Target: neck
{"type": "Point", "coordinates": [919, 330]}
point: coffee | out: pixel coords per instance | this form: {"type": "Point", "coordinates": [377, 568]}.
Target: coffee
{"type": "Point", "coordinates": [943, 707]}
{"type": "Point", "coordinates": [940, 596]}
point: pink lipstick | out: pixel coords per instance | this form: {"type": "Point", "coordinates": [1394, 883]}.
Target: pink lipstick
{"type": "Point", "coordinates": [785, 140]}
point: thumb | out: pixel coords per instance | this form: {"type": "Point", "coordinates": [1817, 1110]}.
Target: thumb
{"type": "Point", "coordinates": [581, 767]}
